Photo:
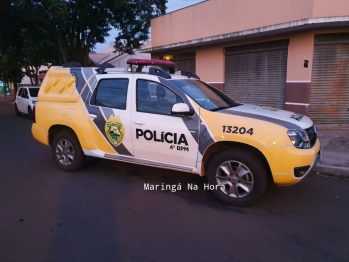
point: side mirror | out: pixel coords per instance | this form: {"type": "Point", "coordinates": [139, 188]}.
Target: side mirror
{"type": "Point", "coordinates": [181, 109]}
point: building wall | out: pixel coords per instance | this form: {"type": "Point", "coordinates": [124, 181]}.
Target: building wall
{"type": "Point", "coordinates": [301, 48]}
{"type": "Point", "coordinates": [210, 66]}
{"type": "Point", "coordinates": [326, 8]}
{"type": "Point", "coordinates": [298, 81]}
{"type": "Point", "coordinates": [199, 23]}
{"type": "Point", "coordinates": [216, 17]}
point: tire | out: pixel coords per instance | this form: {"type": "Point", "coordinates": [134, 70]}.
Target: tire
{"type": "Point", "coordinates": [30, 112]}
{"type": "Point", "coordinates": [67, 152]}
{"type": "Point", "coordinates": [17, 111]}
{"type": "Point", "coordinates": [239, 188]}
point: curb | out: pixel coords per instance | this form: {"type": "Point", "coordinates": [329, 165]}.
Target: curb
{"type": "Point", "coordinates": [333, 170]}
{"type": "Point", "coordinates": [10, 102]}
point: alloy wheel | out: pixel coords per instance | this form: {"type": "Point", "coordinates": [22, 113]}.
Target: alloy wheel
{"type": "Point", "coordinates": [235, 178]}
{"type": "Point", "coordinates": [65, 152]}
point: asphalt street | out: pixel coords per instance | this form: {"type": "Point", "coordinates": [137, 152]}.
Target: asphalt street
{"type": "Point", "coordinates": [103, 213]}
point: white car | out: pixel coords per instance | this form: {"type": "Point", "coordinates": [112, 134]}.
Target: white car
{"type": "Point", "coordinates": [25, 100]}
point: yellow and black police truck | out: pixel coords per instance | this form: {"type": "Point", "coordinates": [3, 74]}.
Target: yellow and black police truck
{"type": "Point", "coordinates": [172, 121]}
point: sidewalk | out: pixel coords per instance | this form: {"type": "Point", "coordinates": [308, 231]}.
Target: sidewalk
{"type": "Point", "coordinates": [8, 99]}
{"type": "Point", "coordinates": [335, 152]}
{"type": "Point", "coordinates": [334, 149]}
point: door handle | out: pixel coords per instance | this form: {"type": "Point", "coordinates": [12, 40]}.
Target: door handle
{"type": "Point", "coordinates": [92, 116]}
{"type": "Point", "coordinates": [139, 123]}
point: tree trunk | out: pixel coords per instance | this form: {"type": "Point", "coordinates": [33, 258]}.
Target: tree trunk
{"type": "Point", "coordinates": [36, 76]}
{"type": "Point", "coordinates": [28, 69]}
{"type": "Point", "coordinates": [86, 50]}
{"type": "Point", "coordinates": [15, 86]}
{"type": "Point", "coordinates": [61, 49]}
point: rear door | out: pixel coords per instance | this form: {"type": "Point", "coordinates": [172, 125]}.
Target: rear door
{"type": "Point", "coordinates": [109, 110]}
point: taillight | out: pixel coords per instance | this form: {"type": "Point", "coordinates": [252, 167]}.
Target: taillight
{"type": "Point", "coordinates": [34, 120]}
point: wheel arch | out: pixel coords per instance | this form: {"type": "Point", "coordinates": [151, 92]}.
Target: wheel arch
{"type": "Point", "coordinates": [72, 157]}
{"type": "Point", "coordinates": [217, 147]}
{"type": "Point", "coordinates": [56, 129]}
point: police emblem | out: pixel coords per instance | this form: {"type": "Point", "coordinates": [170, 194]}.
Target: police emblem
{"type": "Point", "coordinates": [296, 117]}
{"type": "Point", "coordinates": [114, 130]}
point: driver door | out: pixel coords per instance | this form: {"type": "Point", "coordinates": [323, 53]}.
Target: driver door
{"type": "Point", "coordinates": [25, 100]}
{"type": "Point", "coordinates": [19, 99]}
{"type": "Point", "coordinates": [157, 135]}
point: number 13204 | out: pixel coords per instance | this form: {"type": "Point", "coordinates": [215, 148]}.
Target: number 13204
{"type": "Point", "coordinates": [237, 130]}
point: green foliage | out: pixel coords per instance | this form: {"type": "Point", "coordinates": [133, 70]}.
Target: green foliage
{"type": "Point", "coordinates": [11, 57]}
{"type": "Point", "coordinates": [76, 26]}
{"type": "Point", "coordinates": [23, 44]}
{"type": "Point", "coordinates": [44, 32]}
{"type": "Point", "coordinates": [133, 20]}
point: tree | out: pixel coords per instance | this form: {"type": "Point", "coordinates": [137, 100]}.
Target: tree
{"type": "Point", "coordinates": [38, 50]}
{"type": "Point", "coordinates": [133, 21]}
{"type": "Point", "coordinates": [10, 69]}
{"type": "Point", "coordinates": [11, 57]}
{"type": "Point", "coordinates": [39, 32]}
{"type": "Point", "coordinates": [76, 26]}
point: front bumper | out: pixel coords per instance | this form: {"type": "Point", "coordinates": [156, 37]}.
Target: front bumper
{"type": "Point", "coordinates": [301, 173]}
{"type": "Point", "coordinates": [290, 165]}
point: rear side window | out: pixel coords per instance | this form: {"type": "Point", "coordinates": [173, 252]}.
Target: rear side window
{"type": "Point", "coordinates": [33, 92]}
{"type": "Point", "coordinates": [111, 93]}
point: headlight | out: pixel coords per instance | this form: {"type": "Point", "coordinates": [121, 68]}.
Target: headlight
{"type": "Point", "coordinates": [33, 101]}
{"type": "Point", "coordinates": [299, 138]}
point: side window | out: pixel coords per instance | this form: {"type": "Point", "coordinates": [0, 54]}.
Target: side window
{"type": "Point", "coordinates": [155, 98]}
{"type": "Point", "coordinates": [20, 92]}
{"type": "Point", "coordinates": [111, 93]}
{"type": "Point", "coordinates": [24, 93]}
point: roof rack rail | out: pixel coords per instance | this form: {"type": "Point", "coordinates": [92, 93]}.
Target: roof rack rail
{"type": "Point", "coordinates": [101, 68]}
{"type": "Point", "coordinates": [189, 74]}
{"type": "Point", "coordinates": [159, 72]}
{"type": "Point", "coordinates": [100, 71]}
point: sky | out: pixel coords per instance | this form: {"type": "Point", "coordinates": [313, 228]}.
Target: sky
{"type": "Point", "coordinates": [172, 5]}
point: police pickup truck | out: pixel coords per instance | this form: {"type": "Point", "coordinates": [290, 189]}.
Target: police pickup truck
{"type": "Point", "coordinates": [172, 121]}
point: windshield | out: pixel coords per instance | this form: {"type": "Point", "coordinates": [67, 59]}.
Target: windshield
{"type": "Point", "coordinates": [205, 95]}
{"type": "Point", "coordinates": [33, 92]}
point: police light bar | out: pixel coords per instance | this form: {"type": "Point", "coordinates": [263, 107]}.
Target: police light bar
{"type": "Point", "coordinates": [147, 62]}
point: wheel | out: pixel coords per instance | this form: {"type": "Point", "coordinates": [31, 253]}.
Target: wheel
{"type": "Point", "coordinates": [30, 112]}
{"type": "Point", "coordinates": [17, 111]}
{"type": "Point", "coordinates": [238, 177]}
{"type": "Point", "coordinates": [67, 152]}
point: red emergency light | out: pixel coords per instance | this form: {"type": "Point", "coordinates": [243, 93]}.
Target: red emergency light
{"type": "Point", "coordinates": [148, 62]}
